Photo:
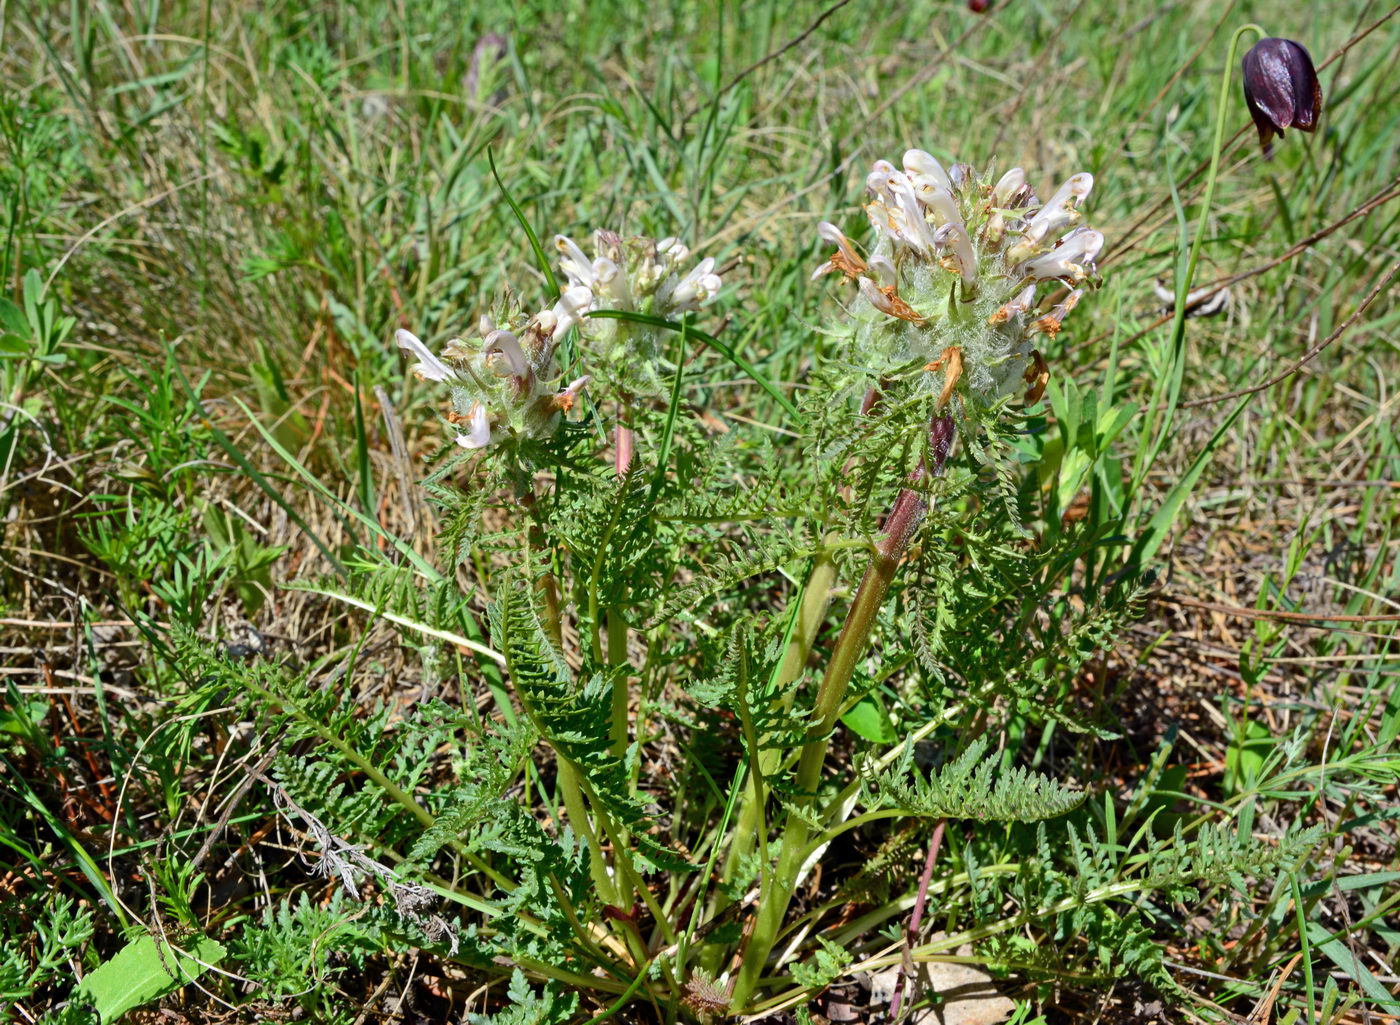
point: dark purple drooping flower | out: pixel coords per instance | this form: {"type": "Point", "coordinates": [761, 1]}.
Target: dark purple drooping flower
{"type": "Point", "coordinates": [1280, 89]}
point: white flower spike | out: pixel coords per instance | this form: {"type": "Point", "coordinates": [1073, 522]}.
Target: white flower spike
{"type": "Point", "coordinates": [951, 276]}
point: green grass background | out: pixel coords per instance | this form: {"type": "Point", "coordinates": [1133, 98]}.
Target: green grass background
{"type": "Point", "coordinates": [243, 200]}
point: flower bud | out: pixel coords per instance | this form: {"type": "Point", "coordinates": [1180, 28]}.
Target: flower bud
{"type": "Point", "coordinates": [1280, 89]}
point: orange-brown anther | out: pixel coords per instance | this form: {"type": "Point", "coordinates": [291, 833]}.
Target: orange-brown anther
{"type": "Point", "coordinates": [1037, 376]}
{"type": "Point", "coordinates": [898, 307]}
{"type": "Point", "coordinates": [850, 268]}
{"type": "Point", "coordinates": [951, 363]}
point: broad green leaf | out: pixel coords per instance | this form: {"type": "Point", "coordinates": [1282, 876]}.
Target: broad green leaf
{"type": "Point", "coordinates": [1246, 754]}
{"type": "Point", "coordinates": [870, 720]}
{"type": "Point", "coordinates": [1111, 423]}
{"type": "Point", "coordinates": [142, 971]}
{"type": "Point", "coordinates": [12, 319]}
{"type": "Point", "coordinates": [1073, 468]}
{"type": "Point", "coordinates": [13, 346]}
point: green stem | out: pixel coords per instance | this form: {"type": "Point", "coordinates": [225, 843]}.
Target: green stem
{"type": "Point", "coordinates": [617, 656]}
{"type": "Point", "coordinates": [802, 634]}
{"type": "Point", "coordinates": [779, 884]}
{"type": "Point", "coordinates": [572, 796]}
{"type": "Point", "coordinates": [1172, 381]}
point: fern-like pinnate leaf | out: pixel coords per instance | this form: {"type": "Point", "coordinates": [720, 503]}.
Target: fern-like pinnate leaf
{"type": "Point", "coordinates": [964, 788]}
{"type": "Point", "coordinates": [574, 720]}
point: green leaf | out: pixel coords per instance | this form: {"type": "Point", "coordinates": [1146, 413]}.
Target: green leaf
{"type": "Point", "coordinates": [142, 972]}
{"type": "Point", "coordinates": [870, 720]}
{"type": "Point", "coordinates": [1334, 945]}
{"type": "Point", "coordinates": [963, 788]}
{"type": "Point", "coordinates": [540, 256]}
{"type": "Point", "coordinates": [725, 350]}
{"type": "Point", "coordinates": [1246, 754]}
{"type": "Point", "coordinates": [824, 968]}
{"type": "Point", "coordinates": [23, 717]}
{"type": "Point", "coordinates": [13, 320]}
{"type": "Point", "coordinates": [1160, 525]}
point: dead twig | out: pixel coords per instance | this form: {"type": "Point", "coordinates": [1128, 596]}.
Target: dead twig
{"type": "Point", "coordinates": [766, 58]}
{"type": "Point", "coordinates": [1304, 617]}
{"type": "Point", "coordinates": [1307, 356]}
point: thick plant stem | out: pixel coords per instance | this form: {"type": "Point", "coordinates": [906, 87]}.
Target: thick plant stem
{"type": "Point", "coordinates": [572, 796]}
{"type": "Point", "coordinates": [778, 885]}
{"type": "Point", "coordinates": [811, 613]}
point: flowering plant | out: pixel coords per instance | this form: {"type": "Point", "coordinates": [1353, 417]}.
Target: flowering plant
{"type": "Point", "coordinates": [954, 273]}
{"type": "Point", "coordinates": [626, 617]}
{"type": "Point", "coordinates": [504, 384]}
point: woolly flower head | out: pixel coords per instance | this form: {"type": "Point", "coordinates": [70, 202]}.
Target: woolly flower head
{"type": "Point", "coordinates": [954, 271]}
{"type": "Point", "coordinates": [638, 275]}
{"type": "Point", "coordinates": [504, 384]}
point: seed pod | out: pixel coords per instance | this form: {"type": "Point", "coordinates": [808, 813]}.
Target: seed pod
{"type": "Point", "coordinates": [1280, 89]}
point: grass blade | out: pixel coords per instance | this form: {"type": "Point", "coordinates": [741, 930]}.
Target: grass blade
{"type": "Point", "coordinates": [670, 325]}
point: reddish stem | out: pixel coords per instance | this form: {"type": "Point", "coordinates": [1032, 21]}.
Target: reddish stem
{"type": "Point", "coordinates": [911, 935]}
{"type": "Point", "coordinates": [623, 458]}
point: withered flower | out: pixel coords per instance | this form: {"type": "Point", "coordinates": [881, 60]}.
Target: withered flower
{"type": "Point", "coordinates": [1280, 89]}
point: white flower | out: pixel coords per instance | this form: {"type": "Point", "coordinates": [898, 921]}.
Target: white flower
{"type": "Point", "coordinates": [1072, 259]}
{"type": "Point", "coordinates": [429, 367]}
{"type": "Point", "coordinates": [673, 251]}
{"type": "Point", "coordinates": [690, 292]}
{"type": "Point", "coordinates": [611, 280]}
{"type": "Point", "coordinates": [940, 202]}
{"type": "Point", "coordinates": [576, 267]}
{"type": "Point", "coordinates": [1015, 308]}
{"type": "Point", "coordinates": [1060, 211]}
{"type": "Point", "coordinates": [883, 267]}
{"type": "Point", "coordinates": [953, 236]}
{"type": "Point", "coordinates": [505, 344]}
{"type": "Point", "coordinates": [917, 162]}
{"type": "Point", "coordinates": [1007, 186]}
{"type": "Point", "coordinates": [479, 435]}
{"type": "Point", "coordinates": [573, 303]}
